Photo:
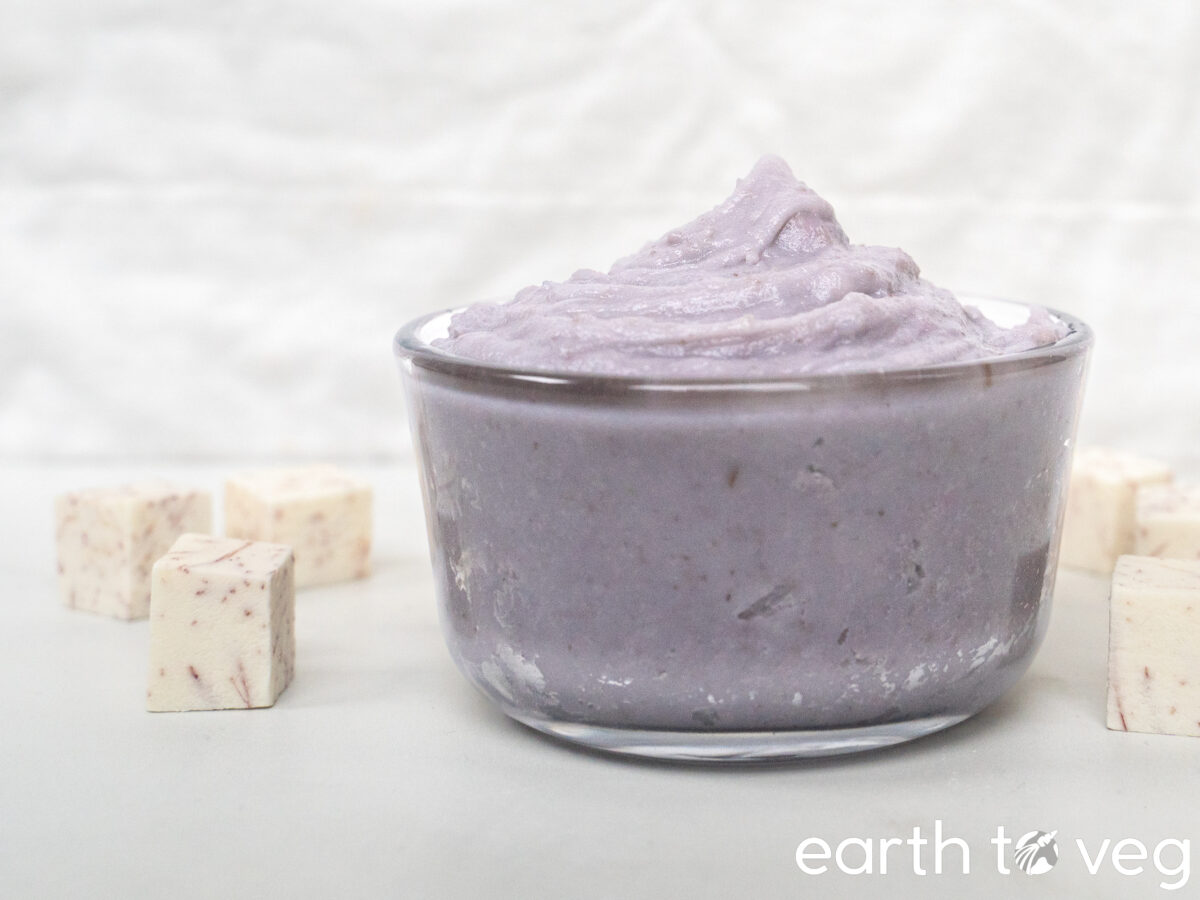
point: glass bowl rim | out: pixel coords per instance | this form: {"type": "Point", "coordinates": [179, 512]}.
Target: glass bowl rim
{"type": "Point", "coordinates": [411, 346]}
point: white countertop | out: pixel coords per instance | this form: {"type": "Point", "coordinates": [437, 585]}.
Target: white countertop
{"type": "Point", "coordinates": [380, 773]}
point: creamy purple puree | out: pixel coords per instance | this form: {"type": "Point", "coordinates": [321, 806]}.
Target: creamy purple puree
{"type": "Point", "coordinates": [766, 284]}
{"type": "Point", "coordinates": [745, 565]}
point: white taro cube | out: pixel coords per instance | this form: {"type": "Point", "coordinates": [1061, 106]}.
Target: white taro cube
{"type": "Point", "coordinates": [321, 512]}
{"type": "Point", "coordinates": [107, 540]}
{"type": "Point", "coordinates": [1168, 521]}
{"type": "Point", "coordinates": [1154, 646]}
{"type": "Point", "coordinates": [1099, 524]}
{"type": "Point", "coordinates": [222, 625]}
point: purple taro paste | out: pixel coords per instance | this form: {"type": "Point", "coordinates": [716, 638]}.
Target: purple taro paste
{"type": "Point", "coordinates": [765, 284]}
{"type": "Point", "coordinates": [857, 551]}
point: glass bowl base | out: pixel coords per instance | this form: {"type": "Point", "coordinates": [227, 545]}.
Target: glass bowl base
{"type": "Point", "coordinates": [735, 746]}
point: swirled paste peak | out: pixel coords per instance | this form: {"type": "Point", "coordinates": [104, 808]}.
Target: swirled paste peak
{"type": "Point", "coordinates": [764, 285]}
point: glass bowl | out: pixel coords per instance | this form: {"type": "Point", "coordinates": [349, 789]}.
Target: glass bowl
{"type": "Point", "coordinates": [744, 570]}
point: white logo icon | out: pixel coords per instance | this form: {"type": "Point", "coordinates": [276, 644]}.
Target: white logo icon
{"type": "Point", "coordinates": [1036, 853]}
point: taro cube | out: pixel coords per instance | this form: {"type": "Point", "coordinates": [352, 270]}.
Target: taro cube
{"type": "Point", "coordinates": [222, 625]}
{"type": "Point", "coordinates": [108, 539]}
{"type": "Point", "coordinates": [1154, 646]}
{"type": "Point", "coordinates": [1099, 523]}
{"type": "Point", "coordinates": [321, 512]}
{"type": "Point", "coordinates": [1168, 521]}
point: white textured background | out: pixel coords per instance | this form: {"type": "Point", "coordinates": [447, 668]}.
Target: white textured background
{"type": "Point", "coordinates": [213, 216]}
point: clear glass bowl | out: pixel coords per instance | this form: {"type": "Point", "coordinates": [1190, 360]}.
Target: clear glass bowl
{"type": "Point", "coordinates": [744, 570]}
